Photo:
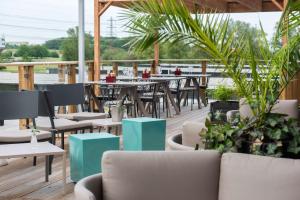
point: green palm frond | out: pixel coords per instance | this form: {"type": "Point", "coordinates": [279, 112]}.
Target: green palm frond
{"type": "Point", "coordinates": [270, 69]}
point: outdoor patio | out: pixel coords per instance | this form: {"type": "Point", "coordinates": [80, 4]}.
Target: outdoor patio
{"type": "Point", "coordinates": [224, 127]}
{"type": "Point", "coordinates": [20, 180]}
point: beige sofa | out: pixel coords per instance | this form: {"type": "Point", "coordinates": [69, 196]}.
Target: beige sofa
{"type": "Point", "coordinates": [197, 175]}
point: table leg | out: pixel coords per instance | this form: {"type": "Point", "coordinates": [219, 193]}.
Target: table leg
{"type": "Point", "coordinates": [197, 85]}
{"type": "Point", "coordinates": [134, 95]}
{"type": "Point", "coordinates": [64, 174]}
{"type": "Point", "coordinates": [47, 167]}
{"type": "Point", "coordinates": [170, 98]}
{"type": "Point", "coordinates": [184, 94]}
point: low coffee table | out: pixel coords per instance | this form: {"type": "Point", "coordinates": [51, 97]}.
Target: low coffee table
{"type": "Point", "coordinates": [30, 150]}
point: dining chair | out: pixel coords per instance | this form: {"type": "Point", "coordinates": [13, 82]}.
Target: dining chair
{"type": "Point", "coordinates": [48, 121]}
{"type": "Point", "coordinates": [15, 105]}
{"type": "Point", "coordinates": [72, 94]}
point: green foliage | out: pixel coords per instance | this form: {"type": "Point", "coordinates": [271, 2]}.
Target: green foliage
{"type": "Point", "coordinates": [6, 55]}
{"type": "Point", "coordinates": [31, 51]}
{"type": "Point", "coordinates": [219, 137]}
{"type": "Point", "coordinates": [223, 93]}
{"type": "Point", "coordinates": [277, 136]}
{"type": "Point", "coordinates": [54, 44]}
{"type": "Point", "coordinates": [69, 46]}
{"type": "Point", "coordinates": [53, 54]}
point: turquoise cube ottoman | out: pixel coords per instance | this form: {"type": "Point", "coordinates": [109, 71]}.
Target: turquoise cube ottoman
{"type": "Point", "coordinates": [86, 152]}
{"type": "Point", "coordinates": [144, 134]}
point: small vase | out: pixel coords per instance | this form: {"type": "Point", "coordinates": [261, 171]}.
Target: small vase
{"type": "Point", "coordinates": [33, 139]}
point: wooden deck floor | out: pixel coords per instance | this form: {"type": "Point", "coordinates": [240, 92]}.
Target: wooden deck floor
{"type": "Point", "coordinates": [22, 181]}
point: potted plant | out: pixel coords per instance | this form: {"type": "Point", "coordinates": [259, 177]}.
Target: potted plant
{"type": "Point", "coordinates": [117, 112]}
{"type": "Point", "coordinates": [224, 102]}
{"type": "Point", "coordinates": [271, 67]}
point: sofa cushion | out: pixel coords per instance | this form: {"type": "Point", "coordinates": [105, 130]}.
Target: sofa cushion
{"type": "Point", "coordinates": [43, 123]}
{"type": "Point", "coordinates": [160, 175]}
{"type": "Point", "coordinates": [80, 116]}
{"type": "Point", "coordinates": [248, 177]}
{"type": "Point", "coordinates": [16, 136]}
{"type": "Point", "coordinates": [191, 134]}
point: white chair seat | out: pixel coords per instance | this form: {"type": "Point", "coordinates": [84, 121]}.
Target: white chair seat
{"type": "Point", "coordinates": [16, 136]}
{"type": "Point", "coordinates": [61, 124]}
{"type": "Point", "coordinates": [80, 116]}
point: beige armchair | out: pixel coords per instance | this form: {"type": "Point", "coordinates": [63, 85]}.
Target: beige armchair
{"type": "Point", "coordinates": [288, 107]}
{"type": "Point", "coordinates": [196, 175]}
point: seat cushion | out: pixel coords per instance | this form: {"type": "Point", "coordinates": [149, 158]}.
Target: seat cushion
{"type": "Point", "coordinates": [191, 132]}
{"type": "Point", "coordinates": [43, 123]}
{"type": "Point", "coordinates": [161, 175]}
{"type": "Point", "coordinates": [15, 136]}
{"type": "Point", "coordinates": [80, 116]}
{"type": "Point", "coordinates": [248, 177]}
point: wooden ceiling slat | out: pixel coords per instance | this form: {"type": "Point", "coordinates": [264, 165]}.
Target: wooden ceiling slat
{"type": "Point", "coordinates": [255, 5]}
{"type": "Point", "coordinates": [231, 6]}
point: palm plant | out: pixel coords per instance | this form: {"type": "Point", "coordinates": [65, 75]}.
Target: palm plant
{"type": "Point", "coordinates": [271, 68]}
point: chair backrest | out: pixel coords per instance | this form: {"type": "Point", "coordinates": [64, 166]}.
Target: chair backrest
{"type": "Point", "coordinates": [46, 106]}
{"type": "Point", "coordinates": [287, 107]}
{"type": "Point", "coordinates": [18, 105]}
{"type": "Point", "coordinates": [66, 94]}
{"type": "Point", "coordinates": [161, 175]}
{"type": "Point", "coordinates": [247, 177]}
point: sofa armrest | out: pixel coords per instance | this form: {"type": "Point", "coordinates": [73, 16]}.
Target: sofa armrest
{"type": "Point", "coordinates": [231, 115]}
{"type": "Point", "coordinates": [89, 188]}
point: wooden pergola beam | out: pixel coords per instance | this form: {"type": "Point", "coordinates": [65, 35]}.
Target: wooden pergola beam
{"type": "Point", "coordinates": [277, 4]}
{"type": "Point", "coordinates": [217, 5]}
{"type": "Point", "coordinates": [255, 5]}
{"type": "Point", "coordinates": [104, 7]}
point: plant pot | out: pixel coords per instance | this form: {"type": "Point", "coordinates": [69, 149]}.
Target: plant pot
{"type": "Point", "coordinates": [285, 153]}
{"type": "Point", "coordinates": [175, 143]}
{"type": "Point", "coordinates": [245, 145]}
{"type": "Point", "coordinates": [223, 107]}
{"type": "Point", "coordinates": [117, 114]}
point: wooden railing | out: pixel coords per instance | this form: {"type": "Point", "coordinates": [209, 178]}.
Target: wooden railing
{"type": "Point", "coordinates": [26, 69]}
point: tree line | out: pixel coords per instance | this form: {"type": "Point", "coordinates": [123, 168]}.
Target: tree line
{"type": "Point", "coordinates": [113, 48]}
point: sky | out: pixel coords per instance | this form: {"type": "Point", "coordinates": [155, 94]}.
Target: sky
{"type": "Point", "coordinates": [36, 21]}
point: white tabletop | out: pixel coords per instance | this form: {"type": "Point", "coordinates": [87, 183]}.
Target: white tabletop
{"type": "Point", "coordinates": [122, 83]}
{"type": "Point", "coordinates": [182, 75]}
{"type": "Point", "coordinates": [104, 122]}
{"type": "Point", "coordinates": [29, 150]}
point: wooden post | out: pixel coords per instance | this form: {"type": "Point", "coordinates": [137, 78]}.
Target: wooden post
{"type": "Point", "coordinates": [156, 57]}
{"type": "Point", "coordinates": [284, 94]}
{"type": "Point", "coordinates": [61, 79]}
{"type": "Point", "coordinates": [91, 71]}
{"type": "Point", "coordinates": [61, 73]}
{"type": "Point", "coordinates": [72, 80]}
{"type": "Point", "coordinates": [153, 67]}
{"type": "Point", "coordinates": [96, 71]}
{"type": "Point", "coordinates": [203, 68]}
{"type": "Point", "coordinates": [292, 91]}
{"type": "Point", "coordinates": [135, 70]}
{"type": "Point", "coordinates": [26, 82]}
{"type": "Point", "coordinates": [115, 68]}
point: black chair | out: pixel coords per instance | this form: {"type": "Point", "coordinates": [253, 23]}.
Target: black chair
{"type": "Point", "coordinates": [49, 122]}
{"type": "Point", "coordinates": [72, 94]}
{"type": "Point", "coordinates": [16, 105]}
{"type": "Point", "coordinates": [152, 95]}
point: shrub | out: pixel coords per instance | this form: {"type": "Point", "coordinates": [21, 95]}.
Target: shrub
{"type": "Point", "coordinates": [223, 93]}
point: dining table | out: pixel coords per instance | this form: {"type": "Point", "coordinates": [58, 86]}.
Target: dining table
{"type": "Point", "coordinates": [196, 80]}
{"type": "Point", "coordinates": [127, 88]}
